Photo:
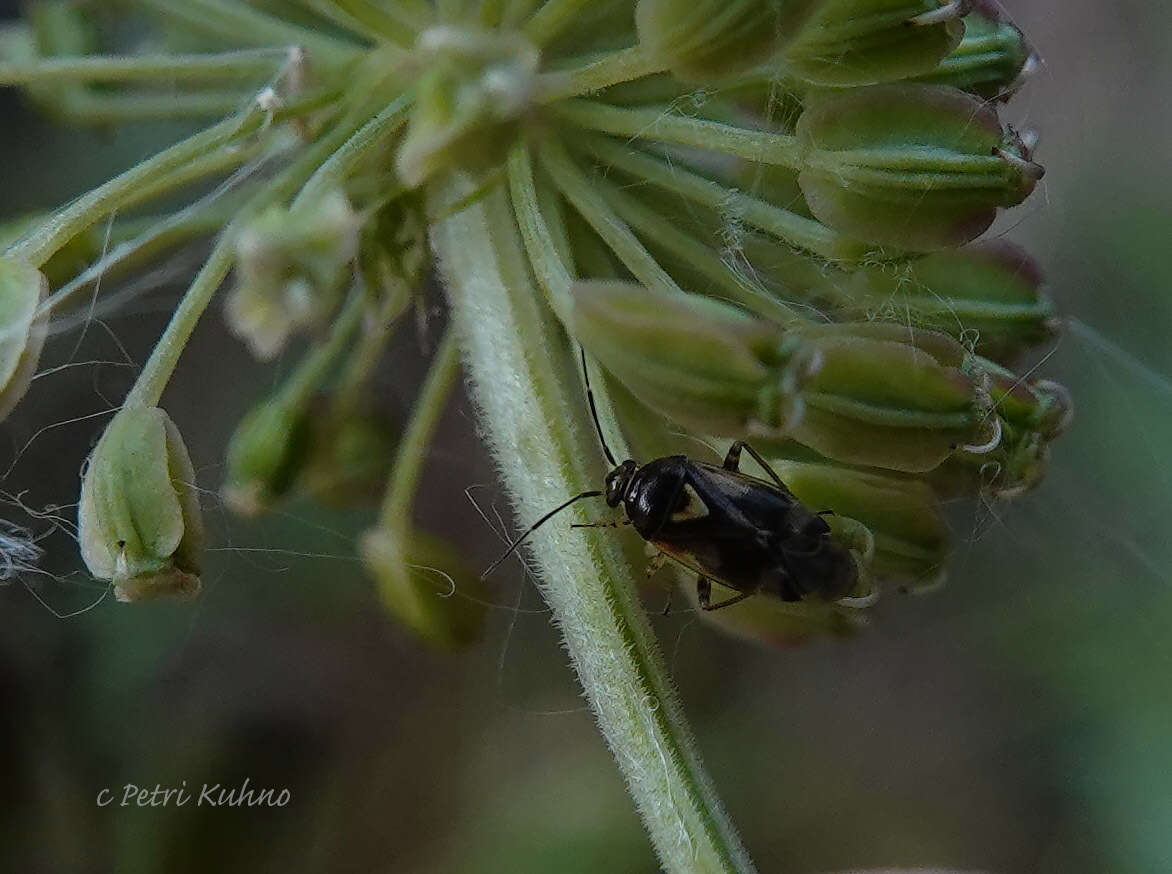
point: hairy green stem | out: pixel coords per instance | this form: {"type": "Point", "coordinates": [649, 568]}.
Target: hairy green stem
{"type": "Point", "coordinates": [612, 69]}
{"type": "Point", "coordinates": [737, 285]}
{"type": "Point", "coordinates": [797, 230]}
{"type": "Point", "coordinates": [239, 24]}
{"type": "Point", "coordinates": [86, 107]}
{"type": "Point", "coordinates": [552, 18]}
{"type": "Point", "coordinates": [335, 170]}
{"type": "Point", "coordinates": [368, 19]}
{"type": "Point", "coordinates": [663, 125]}
{"type": "Point", "coordinates": [309, 374]}
{"type": "Point", "coordinates": [41, 244]}
{"type": "Point", "coordinates": [579, 191]}
{"type": "Point", "coordinates": [162, 172]}
{"type": "Point", "coordinates": [425, 416]}
{"type": "Point", "coordinates": [545, 447]}
{"type": "Point", "coordinates": [148, 388]}
{"type": "Point", "coordinates": [247, 64]}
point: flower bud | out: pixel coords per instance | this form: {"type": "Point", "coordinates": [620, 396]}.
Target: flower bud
{"type": "Point", "coordinates": [703, 40]}
{"type": "Point", "coordinates": [266, 454]}
{"type": "Point", "coordinates": [892, 397]}
{"type": "Point", "coordinates": [1030, 415]}
{"type": "Point", "coordinates": [991, 61]}
{"type": "Point", "coordinates": [865, 42]}
{"type": "Point", "coordinates": [917, 167]}
{"type": "Point", "coordinates": [703, 363]}
{"type": "Point", "coordinates": [139, 522]}
{"type": "Point", "coordinates": [1043, 405]}
{"type": "Point", "coordinates": [987, 295]}
{"type": "Point", "coordinates": [423, 583]}
{"type": "Point", "coordinates": [475, 89]}
{"type": "Point", "coordinates": [22, 330]}
{"type": "Point", "coordinates": [292, 266]}
{"type": "Point", "coordinates": [903, 515]}
{"type": "Point", "coordinates": [350, 454]}
{"type": "Point", "coordinates": [774, 622]}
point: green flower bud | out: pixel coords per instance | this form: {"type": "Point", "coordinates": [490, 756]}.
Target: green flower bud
{"type": "Point", "coordinates": [1029, 415]}
{"type": "Point", "coordinates": [703, 363]}
{"type": "Point", "coordinates": [350, 455]}
{"type": "Point", "coordinates": [139, 522]}
{"type": "Point", "coordinates": [266, 454]}
{"type": "Point", "coordinates": [865, 42]}
{"type": "Point", "coordinates": [903, 515]}
{"type": "Point", "coordinates": [471, 98]}
{"type": "Point", "coordinates": [916, 167]}
{"type": "Point", "coordinates": [703, 40]}
{"type": "Point", "coordinates": [22, 330]}
{"type": "Point", "coordinates": [987, 295]}
{"type": "Point", "coordinates": [292, 266]}
{"type": "Point", "coordinates": [991, 61]}
{"type": "Point", "coordinates": [1043, 405]}
{"type": "Point", "coordinates": [423, 583]}
{"type": "Point", "coordinates": [892, 397]}
{"type": "Point", "coordinates": [773, 622]}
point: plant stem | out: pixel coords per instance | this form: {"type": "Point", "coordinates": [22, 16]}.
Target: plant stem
{"type": "Point", "coordinates": [41, 244]}
{"type": "Point", "coordinates": [549, 268]}
{"type": "Point", "coordinates": [425, 416]}
{"type": "Point", "coordinates": [797, 230]}
{"type": "Point", "coordinates": [162, 172]}
{"type": "Point", "coordinates": [85, 107]}
{"type": "Point", "coordinates": [545, 448]}
{"type": "Point", "coordinates": [240, 24]}
{"type": "Point", "coordinates": [579, 191]}
{"type": "Point", "coordinates": [552, 18]}
{"type": "Point", "coordinates": [612, 69]}
{"type": "Point", "coordinates": [312, 370]}
{"type": "Point", "coordinates": [368, 19]}
{"type": "Point", "coordinates": [737, 285]}
{"type": "Point", "coordinates": [662, 125]}
{"type": "Point", "coordinates": [335, 170]}
{"type": "Point", "coordinates": [148, 388]}
{"type": "Point", "coordinates": [247, 64]}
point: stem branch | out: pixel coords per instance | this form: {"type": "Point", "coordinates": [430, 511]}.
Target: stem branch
{"type": "Point", "coordinates": [425, 417]}
{"type": "Point", "coordinates": [663, 125]}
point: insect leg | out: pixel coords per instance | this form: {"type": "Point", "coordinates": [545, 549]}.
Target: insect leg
{"type": "Point", "coordinates": [735, 599]}
{"type": "Point", "coordinates": [732, 462]}
{"type": "Point", "coordinates": [617, 523]}
{"type": "Point", "coordinates": [704, 592]}
{"type": "Point", "coordinates": [655, 563]}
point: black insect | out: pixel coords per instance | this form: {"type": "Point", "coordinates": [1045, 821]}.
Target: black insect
{"type": "Point", "coordinates": [748, 534]}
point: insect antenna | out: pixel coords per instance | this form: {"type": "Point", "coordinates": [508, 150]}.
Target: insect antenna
{"type": "Point", "coordinates": [594, 411]}
{"type": "Point", "coordinates": [521, 538]}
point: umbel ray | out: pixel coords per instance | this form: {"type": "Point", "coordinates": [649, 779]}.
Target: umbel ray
{"type": "Point", "coordinates": [748, 534]}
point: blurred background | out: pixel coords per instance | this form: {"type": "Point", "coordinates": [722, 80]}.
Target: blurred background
{"type": "Point", "coordinates": [1014, 721]}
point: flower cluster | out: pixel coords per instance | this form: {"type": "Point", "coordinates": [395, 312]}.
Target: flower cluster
{"type": "Point", "coordinates": [760, 218]}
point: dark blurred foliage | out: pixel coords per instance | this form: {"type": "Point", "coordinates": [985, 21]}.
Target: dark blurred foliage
{"type": "Point", "coordinates": [1014, 721]}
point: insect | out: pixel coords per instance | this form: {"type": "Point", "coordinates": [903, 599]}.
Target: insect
{"type": "Point", "coordinates": [748, 534]}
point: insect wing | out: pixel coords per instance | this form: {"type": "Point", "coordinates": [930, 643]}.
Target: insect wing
{"type": "Point", "coordinates": [725, 527]}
